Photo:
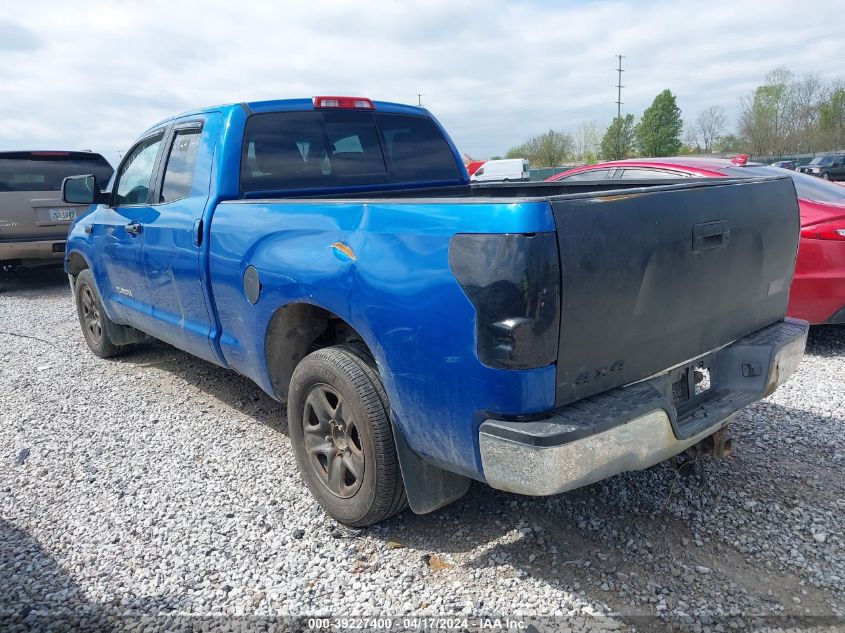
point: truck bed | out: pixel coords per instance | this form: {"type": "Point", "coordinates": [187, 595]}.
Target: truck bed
{"type": "Point", "coordinates": [652, 275]}
{"type": "Point", "coordinates": [497, 190]}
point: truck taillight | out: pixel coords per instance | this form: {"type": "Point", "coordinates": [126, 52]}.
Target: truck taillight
{"type": "Point", "coordinates": [513, 281]}
{"type": "Point", "coordinates": [825, 231]}
{"type": "Point", "coordinates": [350, 103]}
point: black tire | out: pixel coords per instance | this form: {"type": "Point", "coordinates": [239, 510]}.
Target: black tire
{"type": "Point", "coordinates": [826, 175]}
{"type": "Point", "coordinates": [93, 320]}
{"type": "Point", "coordinates": [339, 424]}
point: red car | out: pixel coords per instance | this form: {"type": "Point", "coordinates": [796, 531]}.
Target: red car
{"type": "Point", "coordinates": [818, 289]}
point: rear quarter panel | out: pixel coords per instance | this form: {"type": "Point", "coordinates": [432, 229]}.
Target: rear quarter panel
{"type": "Point", "coordinates": [398, 293]}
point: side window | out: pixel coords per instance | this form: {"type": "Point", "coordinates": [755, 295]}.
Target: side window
{"type": "Point", "coordinates": [592, 174]}
{"type": "Point", "coordinates": [650, 174]}
{"type": "Point", "coordinates": [179, 173]}
{"type": "Point", "coordinates": [136, 174]}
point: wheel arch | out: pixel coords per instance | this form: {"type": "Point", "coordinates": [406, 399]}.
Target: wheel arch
{"type": "Point", "coordinates": [296, 329]}
{"type": "Point", "coordinates": [75, 263]}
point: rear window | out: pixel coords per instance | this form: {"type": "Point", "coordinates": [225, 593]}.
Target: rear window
{"type": "Point", "coordinates": [335, 148]}
{"type": "Point", "coordinates": [179, 173]}
{"type": "Point", "coordinates": [807, 187]}
{"type": "Point", "coordinates": [45, 171]}
{"type": "Point", "coordinates": [650, 174]}
{"type": "Point", "coordinates": [591, 174]}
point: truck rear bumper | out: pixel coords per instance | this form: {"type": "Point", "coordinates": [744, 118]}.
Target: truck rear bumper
{"type": "Point", "coordinates": [642, 424]}
{"type": "Point", "coordinates": [35, 249]}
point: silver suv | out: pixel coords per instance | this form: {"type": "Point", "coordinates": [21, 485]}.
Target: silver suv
{"type": "Point", "coordinates": [33, 219]}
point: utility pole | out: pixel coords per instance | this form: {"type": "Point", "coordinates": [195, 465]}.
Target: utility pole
{"type": "Point", "coordinates": [419, 98]}
{"type": "Point", "coordinates": [619, 87]}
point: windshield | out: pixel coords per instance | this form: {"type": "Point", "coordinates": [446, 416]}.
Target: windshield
{"type": "Point", "coordinates": [45, 171]}
{"type": "Point", "coordinates": [335, 148]}
{"type": "Point", "coordinates": [807, 187]}
{"type": "Point", "coordinates": [822, 160]}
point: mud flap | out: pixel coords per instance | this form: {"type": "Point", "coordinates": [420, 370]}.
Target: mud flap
{"type": "Point", "coordinates": [428, 488]}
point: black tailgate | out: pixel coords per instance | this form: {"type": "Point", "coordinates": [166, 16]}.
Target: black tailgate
{"type": "Point", "coordinates": [654, 277]}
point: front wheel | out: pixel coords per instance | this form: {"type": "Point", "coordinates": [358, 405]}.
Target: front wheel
{"type": "Point", "coordinates": [339, 423]}
{"type": "Point", "coordinates": [826, 175]}
{"type": "Point", "coordinates": [93, 319]}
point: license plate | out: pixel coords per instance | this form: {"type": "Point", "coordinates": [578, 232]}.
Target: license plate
{"type": "Point", "coordinates": [62, 215]}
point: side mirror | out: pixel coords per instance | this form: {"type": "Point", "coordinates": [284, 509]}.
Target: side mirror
{"type": "Point", "coordinates": [82, 190]}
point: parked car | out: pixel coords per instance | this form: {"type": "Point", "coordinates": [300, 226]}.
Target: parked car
{"type": "Point", "coordinates": [474, 165]}
{"type": "Point", "coordinates": [33, 219]}
{"type": "Point", "coordinates": [502, 170]}
{"type": "Point", "coordinates": [830, 167]}
{"type": "Point", "coordinates": [818, 288]}
{"type": "Point", "coordinates": [785, 164]}
{"type": "Point", "coordinates": [424, 332]}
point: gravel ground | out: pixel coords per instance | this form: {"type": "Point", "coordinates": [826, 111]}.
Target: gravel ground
{"type": "Point", "coordinates": [157, 483]}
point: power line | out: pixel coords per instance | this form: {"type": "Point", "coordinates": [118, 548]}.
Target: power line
{"type": "Point", "coordinates": [586, 79]}
{"type": "Point", "coordinates": [619, 87]}
{"type": "Point", "coordinates": [595, 105]}
{"type": "Point", "coordinates": [716, 73]}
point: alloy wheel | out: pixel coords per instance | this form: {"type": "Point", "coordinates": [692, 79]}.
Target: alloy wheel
{"type": "Point", "coordinates": [332, 441]}
{"type": "Point", "coordinates": [91, 315]}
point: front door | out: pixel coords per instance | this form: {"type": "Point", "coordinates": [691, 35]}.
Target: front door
{"type": "Point", "coordinates": [119, 234]}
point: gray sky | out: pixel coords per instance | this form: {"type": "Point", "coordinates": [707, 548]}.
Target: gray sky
{"type": "Point", "coordinates": [93, 75]}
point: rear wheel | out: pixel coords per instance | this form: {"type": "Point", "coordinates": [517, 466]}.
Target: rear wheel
{"type": "Point", "coordinates": [92, 318]}
{"type": "Point", "coordinates": [339, 424]}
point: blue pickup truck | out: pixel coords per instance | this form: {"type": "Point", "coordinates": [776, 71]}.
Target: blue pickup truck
{"type": "Point", "coordinates": [425, 332]}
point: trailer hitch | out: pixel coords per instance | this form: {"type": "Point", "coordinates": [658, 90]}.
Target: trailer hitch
{"type": "Point", "coordinates": [689, 463]}
{"type": "Point", "coordinates": [719, 444]}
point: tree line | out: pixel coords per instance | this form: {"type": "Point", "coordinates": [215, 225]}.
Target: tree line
{"type": "Point", "coordinates": [787, 114]}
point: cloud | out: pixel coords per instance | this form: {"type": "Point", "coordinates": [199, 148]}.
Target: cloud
{"type": "Point", "coordinates": [95, 74]}
{"type": "Point", "coordinates": [15, 37]}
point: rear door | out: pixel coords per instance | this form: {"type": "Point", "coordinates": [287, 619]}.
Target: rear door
{"type": "Point", "coordinates": [118, 237]}
{"type": "Point", "coordinates": [31, 206]}
{"type": "Point", "coordinates": [653, 277]}
{"type": "Point", "coordinates": [172, 246]}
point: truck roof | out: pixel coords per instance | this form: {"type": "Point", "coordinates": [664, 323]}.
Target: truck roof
{"type": "Point", "coordinates": [287, 105]}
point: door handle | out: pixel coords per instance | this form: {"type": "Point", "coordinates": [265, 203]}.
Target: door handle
{"type": "Point", "coordinates": [709, 235]}
{"type": "Point", "coordinates": [134, 228]}
{"type": "Point", "coordinates": [197, 233]}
